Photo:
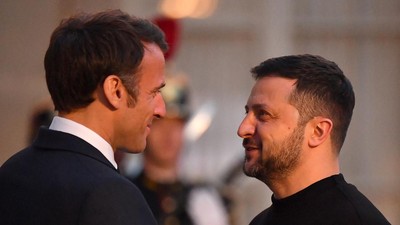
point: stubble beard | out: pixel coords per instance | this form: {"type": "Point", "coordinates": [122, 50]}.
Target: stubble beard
{"type": "Point", "coordinates": [283, 158]}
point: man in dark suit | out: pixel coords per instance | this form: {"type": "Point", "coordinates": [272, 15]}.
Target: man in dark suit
{"type": "Point", "coordinates": [104, 72]}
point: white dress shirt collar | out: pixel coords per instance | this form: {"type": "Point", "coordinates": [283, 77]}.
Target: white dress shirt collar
{"type": "Point", "coordinates": [76, 129]}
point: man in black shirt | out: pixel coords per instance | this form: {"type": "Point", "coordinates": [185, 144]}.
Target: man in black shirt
{"type": "Point", "coordinates": [297, 117]}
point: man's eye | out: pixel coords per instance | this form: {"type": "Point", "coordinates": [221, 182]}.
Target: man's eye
{"type": "Point", "coordinates": [263, 115]}
{"type": "Point", "coordinates": [155, 93]}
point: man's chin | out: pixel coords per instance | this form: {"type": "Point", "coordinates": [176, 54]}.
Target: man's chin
{"type": "Point", "coordinates": [250, 169]}
{"type": "Point", "coordinates": [133, 150]}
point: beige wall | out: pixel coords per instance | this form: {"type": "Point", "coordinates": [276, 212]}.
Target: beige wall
{"type": "Point", "coordinates": [362, 36]}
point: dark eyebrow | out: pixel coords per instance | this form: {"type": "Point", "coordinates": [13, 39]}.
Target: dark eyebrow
{"type": "Point", "coordinates": [256, 107]}
{"type": "Point", "coordinates": [260, 106]}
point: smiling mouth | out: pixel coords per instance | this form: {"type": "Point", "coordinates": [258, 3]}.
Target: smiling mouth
{"type": "Point", "coordinates": [250, 148]}
{"type": "Point", "coordinates": [250, 144]}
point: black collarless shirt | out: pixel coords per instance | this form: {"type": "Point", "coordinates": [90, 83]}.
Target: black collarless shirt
{"type": "Point", "coordinates": [331, 201]}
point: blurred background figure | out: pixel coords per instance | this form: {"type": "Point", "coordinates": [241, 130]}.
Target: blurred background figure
{"type": "Point", "coordinates": [173, 199]}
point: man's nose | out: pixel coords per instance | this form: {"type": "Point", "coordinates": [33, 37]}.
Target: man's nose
{"type": "Point", "coordinates": [247, 127]}
{"type": "Point", "coordinates": [160, 109]}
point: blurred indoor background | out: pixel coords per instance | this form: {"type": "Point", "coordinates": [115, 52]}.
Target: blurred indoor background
{"type": "Point", "coordinates": [220, 41]}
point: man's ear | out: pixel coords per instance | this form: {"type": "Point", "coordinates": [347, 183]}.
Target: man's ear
{"type": "Point", "coordinates": [114, 91]}
{"type": "Point", "coordinates": [321, 130]}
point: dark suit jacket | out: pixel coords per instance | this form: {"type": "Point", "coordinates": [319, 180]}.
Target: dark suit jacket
{"type": "Point", "coordinates": [62, 179]}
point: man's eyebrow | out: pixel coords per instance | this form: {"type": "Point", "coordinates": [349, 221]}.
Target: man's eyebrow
{"type": "Point", "coordinates": [259, 106]}
{"type": "Point", "coordinates": [256, 106]}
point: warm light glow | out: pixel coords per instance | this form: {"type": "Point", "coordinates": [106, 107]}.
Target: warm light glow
{"type": "Point", "coordinates": [187, 8]}
{"type": "Point", "coordinates": [204, 9]}
{"type": "Point", "coordinates": [200, 122]}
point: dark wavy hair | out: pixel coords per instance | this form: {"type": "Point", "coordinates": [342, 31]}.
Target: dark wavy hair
{"type": "Point", "coordinates": [321, 89]}
{"type": "Point", "coordinates": [86, 48]}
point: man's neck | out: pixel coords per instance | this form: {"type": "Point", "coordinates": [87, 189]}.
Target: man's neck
{"type": "Point", "coordinates": [301, 178]}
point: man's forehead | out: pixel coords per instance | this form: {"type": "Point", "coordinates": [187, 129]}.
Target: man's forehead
{"type": "Point", "coordinates": [270, 90]}
{"type": "Point", "coordinates": [271, 85]}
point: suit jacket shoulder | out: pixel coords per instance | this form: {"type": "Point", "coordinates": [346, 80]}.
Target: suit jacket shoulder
{"type": "Point", "coordinates": [62, 179]}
